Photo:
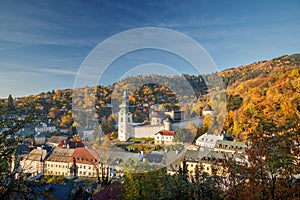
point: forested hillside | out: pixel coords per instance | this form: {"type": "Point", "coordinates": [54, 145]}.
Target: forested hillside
{"type": "Point", "coordinates": [268, 90]}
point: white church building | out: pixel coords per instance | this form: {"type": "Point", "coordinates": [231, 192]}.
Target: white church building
{"type": "Point", "coordinates": [159, 121]}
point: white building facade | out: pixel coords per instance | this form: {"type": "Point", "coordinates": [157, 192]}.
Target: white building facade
{"type": "Point", "coordinates": [209, 140]}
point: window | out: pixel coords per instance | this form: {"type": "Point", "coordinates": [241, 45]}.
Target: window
{"type": "Point", "coordinates": [128, 119]}
{"type": "Point", "coordinates": [121, 119]}
{"type": "Point", "coordinates": [83, 167]}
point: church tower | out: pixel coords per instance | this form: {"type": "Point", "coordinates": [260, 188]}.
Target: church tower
{"type": "Point", "coordinates": [124, 119]}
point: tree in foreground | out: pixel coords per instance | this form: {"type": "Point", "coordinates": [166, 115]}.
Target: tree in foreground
{"type": "Point", "coordinates": [12, 181]}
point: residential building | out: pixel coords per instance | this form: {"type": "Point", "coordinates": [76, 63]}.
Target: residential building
{"type": "Point", "coordinates": [86, 161]}
{"type": "Point", "coordinates": [33, 162]}
{"type": "Point", "coordinates": [58, 163]}
{"type": "Point", "coordinates": [230, 146]}
{"type": "Point", "coordinates": [209, 161]}
{"type": "Point", "coordinates": [64, 130]}
{"type": "Point", "coordinates": [74, 142]}
{"type": "Point", "coordinates": [206, 160]}
{"type": "Point", "coordinates": [56, 140]}
{"type": "Point", "coordinates": [164, 137]}
{"type": "Point", "coordinates": [39, 139]}
{"type": "Point", "coordinates": [209, 140]}
{"type": "Point", "coordinates": [45, 127]}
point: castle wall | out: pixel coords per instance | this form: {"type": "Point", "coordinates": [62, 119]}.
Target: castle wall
{"type": "Point", "coordinates": [146, 131]}
{"type": "Point", "coordinates": [183, 124]}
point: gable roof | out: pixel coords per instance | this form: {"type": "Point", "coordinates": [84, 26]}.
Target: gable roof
{"type": "Point", "coordinates": [165, 133]}
{"type": "Point", "coordinates": [210, 138]}
{"type": "Point", "coordinates": [114, 157]}
{"type": "Point", "coordinates": [37, 155]}
{"type": "Point", "coordinates": [83, 156]}
{"type": "Point", "coordinates": [57, 139]}
{"type": "Point", "coordinates": [60, 155]}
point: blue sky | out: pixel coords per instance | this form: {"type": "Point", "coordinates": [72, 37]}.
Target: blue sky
{"type": "Point", "coordinates": [43, 43]}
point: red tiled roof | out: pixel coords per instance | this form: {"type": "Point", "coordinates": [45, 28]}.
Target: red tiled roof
{"type": "Point", "coordinates": [83, 156]}
{"type": "Point", "coordinates": [165, 133]}
{"type": "Point", "coordinates": [72, 144]}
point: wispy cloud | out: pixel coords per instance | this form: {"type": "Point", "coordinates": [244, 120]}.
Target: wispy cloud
{"type": "Point", "coordinates": [57, 71]}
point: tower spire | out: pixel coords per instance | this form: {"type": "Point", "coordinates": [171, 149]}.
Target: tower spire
{"type": "Point", "coordinates": [125, 102]}
{"type": "Point", "coordinates": [124, 119]}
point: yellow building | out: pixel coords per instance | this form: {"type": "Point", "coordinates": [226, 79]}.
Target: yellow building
{"type": "Point", "coordinates": [58, 163]}
{"type": "Point", "coordinates": [208, 161]}
{"type": "Point", "coordinates": [164, 137]}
